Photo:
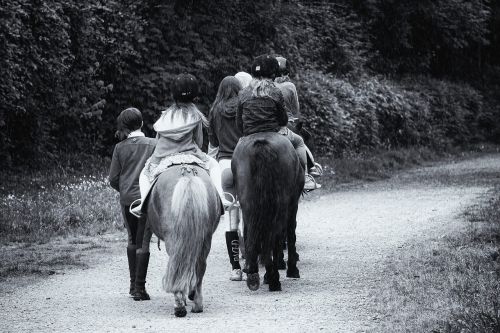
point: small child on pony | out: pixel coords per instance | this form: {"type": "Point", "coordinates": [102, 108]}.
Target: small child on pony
{"type": "Point", "coordinates": [179, 140]}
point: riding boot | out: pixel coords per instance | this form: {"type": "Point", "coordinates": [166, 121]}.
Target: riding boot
{"type": "Point", "coordinates": [233, 250]}
{"type": "Point", "coordinates": [142, 261]}
{"type": "Point", "coordinates": [131, 267]}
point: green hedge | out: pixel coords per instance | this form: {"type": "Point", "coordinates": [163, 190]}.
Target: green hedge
{"type": "Point", "coordinates": [69, 67]}
{"type": "Point", "coordinates": [378, 113]}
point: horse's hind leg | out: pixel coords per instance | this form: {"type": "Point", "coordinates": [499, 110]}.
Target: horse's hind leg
{"type": "Point", "coordinates": [272, 268]}
{"type": "Point", "coordinates": [180, 304]}
{"type": "Point", "coordinates": [198, 296]}
{"type": "Point", "coordinates": [251, 266]}
{"type": "Point", "coordinates": [292, 270]}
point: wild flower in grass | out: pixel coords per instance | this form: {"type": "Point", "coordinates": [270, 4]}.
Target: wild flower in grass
{"type": "Point", "coordinates": [89, 206]}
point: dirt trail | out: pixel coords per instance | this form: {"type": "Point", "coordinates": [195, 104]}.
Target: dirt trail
{"type": "Point", "coordinates": [343, 238]}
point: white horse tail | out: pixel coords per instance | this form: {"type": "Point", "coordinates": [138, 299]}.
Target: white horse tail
{"type": "Point", "coordinates": [190, 213]}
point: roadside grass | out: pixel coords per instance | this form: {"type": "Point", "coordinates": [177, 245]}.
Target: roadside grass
{"type": "Point", "coordinates": [451, 284]}
{"type": "Point", "coordinates": [35, 259]}
{"type": "Point", "coordinates": [380, 164]}
{"type": "Point", "coordinates": [39, 208]}
{"type": "Point", "coordinates": [89, 207]}
{"type": "Point", "coordinates": [383, 164]}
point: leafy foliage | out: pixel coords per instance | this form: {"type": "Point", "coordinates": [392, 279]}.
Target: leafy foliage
{"type": "Point", "coordinates": [377, 113]}
{"type": "Point", "coordinates": [69, 67]}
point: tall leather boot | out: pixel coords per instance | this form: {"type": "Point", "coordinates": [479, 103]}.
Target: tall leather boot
{"type": "Point", "coordinates": [142, 261]}
{"type": "Point", "coordinates": [233, 250]}
{"type": "Point", "coordinates": [131, 267]}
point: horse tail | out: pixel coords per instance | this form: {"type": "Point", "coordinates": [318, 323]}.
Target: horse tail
{"type": "Point", "coordinates": [267, 199]}
{"type": "Point", "coordinates": [190, 211]}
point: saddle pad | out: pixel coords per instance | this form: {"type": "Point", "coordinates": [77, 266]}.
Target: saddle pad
{"type": "Point", "coordinates": [152, 170]}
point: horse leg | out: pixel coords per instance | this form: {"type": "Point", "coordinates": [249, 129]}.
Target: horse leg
{"type": "Point", "coordinates": [252, 268]}
{"type": "Point", "coordinates": [281, 258]}
{"type": "Point", "coordinates": [274, 275]}
{"type": "Point", "coordinates": [180, 304]}
{"type": "Point", "coordinates": [292, 270]}
{"type": "Point", "coordinates": [198, 296]}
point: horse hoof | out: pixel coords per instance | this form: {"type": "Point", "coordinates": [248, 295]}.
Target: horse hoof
{"type": "Point", "coordinates": [293, 273]}
{"type": "Point", "coordinates": [275, 286]}
{"type": "Point", "coordinates": [180, 312]}
{"type": "Point", "coordinates": [253, 281]}
{"type": "Point", "coordinates": [140, 295]}
{"type": "Point", "coordinates": [197, 310]}
{"type": "Point", "coordinates": [191, 295]}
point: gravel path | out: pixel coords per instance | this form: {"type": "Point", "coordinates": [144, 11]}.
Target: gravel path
{"type": "Point", "coordinates": [343, 239]}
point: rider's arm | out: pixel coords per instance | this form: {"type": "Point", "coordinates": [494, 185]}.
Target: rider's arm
{"type": "Point", "coordinates": [198, 134]}
{"type": "Point", "coordinates": [239, 117]}
{"type": "Point", "coordinates": [281, 114]}
{"type": "Point", "coordinates": [213, 146]}
{"type": "Point", "coordinates": [114, 171]}
{"type": "Point", "coordinates": [295, 105]}
{"type": "Point", "coordinates": [212, 132]}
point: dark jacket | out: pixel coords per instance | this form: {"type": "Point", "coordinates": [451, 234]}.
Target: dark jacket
{"type": "Point", "coordinates": [129, 157]}
{"type": "Point", "coordinates": [223, 132]}
{"type": "Point", "coordinates": [261, 114]}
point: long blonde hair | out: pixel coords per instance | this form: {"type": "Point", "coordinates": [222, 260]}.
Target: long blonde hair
{"type": "Point", "coordinates": [186, 110]}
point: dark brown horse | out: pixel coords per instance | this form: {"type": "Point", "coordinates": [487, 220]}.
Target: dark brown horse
{"type": "Point", "coordinates": [269, 181]}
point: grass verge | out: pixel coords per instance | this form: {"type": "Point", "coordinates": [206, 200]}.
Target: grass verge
{"type": "Point", "coordinates": [451, 284]}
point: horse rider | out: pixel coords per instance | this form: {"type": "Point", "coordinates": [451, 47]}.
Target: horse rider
{"type": "Point", "coordinates": [179, 140]}
{"type": "Point", "coordinates": [224, 134]}
{"type": "Point", "coordinates": [129, 157]}
{"type": "Point", "coordinates": [261, 108]}
{"type": "Point", "coordinates": [291, 97]}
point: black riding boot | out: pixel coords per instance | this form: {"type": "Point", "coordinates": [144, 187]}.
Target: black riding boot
{"type": "Point", "coordinates": [142, 261]}
{"type": "Point", "coordinates": [233, 248]}
{"type": "Point", "coordinates": [131, 267]}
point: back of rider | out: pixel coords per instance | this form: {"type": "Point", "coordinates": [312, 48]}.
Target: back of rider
{"type": "Point", "coordinates": [261, 114]}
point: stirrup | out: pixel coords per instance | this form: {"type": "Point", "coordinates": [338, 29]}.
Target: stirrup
{"type": "Point", "coordinates": [316, 185]}
{"type": "Point", "coordinates": [318, 169]}
{"type": "Point", "coordinates": [234, 202]}
{"type": "Point", "coordinates": [136, 203]}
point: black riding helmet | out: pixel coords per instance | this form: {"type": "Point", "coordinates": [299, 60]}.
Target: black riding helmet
{"type": "Point", "coordinates": [184, 88]}
{"type": "Point", "coordinates": [284, 66]}
{"type": "Point", "coordinates": [265, 66]}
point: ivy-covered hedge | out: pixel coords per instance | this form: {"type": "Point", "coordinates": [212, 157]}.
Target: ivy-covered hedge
{"type": "Point", "coordinates": [377, 113]}
{"type": "Point", "coordinates": [68, 67]}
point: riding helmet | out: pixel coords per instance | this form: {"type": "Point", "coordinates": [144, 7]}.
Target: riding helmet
{"type": "Point", "coordinates": [284, 66]}
{"type": "Point", "coordinates": [265, 66]}
{"type": "Point", "coordinates": [184, 88]}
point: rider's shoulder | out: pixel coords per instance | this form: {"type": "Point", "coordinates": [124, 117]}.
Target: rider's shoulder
{"type": "Point", "coordinates": [286, 85]}
{"type": "Point", "coordinates": [245, 94]}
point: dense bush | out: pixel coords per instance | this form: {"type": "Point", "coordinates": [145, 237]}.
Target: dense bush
{"type": "Point", "coordinates": [377, 113]}
{"type": "Point", "coordinates": [69, 67]}
{"type": "Point", "coordinates": [439, 37]}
